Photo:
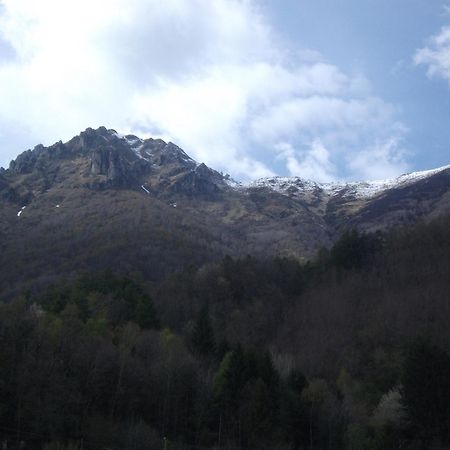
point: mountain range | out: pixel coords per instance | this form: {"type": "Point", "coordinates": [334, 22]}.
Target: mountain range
{"type": "Point", "coordinates": [146, 208]}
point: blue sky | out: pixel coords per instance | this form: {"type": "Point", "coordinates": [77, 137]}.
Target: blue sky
{"type": "Point", "coordinates": [325, 90]}
{"type": "Point", "coordinates": [379, 38]}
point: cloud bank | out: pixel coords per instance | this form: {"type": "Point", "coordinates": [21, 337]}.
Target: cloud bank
{"type": "Point", "coordinates": [211, 75]}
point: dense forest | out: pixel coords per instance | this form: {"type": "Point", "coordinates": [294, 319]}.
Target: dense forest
{"type": "Point", "coordinates": [348, 351]}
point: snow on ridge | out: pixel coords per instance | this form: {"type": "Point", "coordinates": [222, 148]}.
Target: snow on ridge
{"type": "Point", "coordinates": [137, 145]}
{"type": "Point", "coordinates": [130, 139]}
{"type": "Point", "coordinates": [415, 176]}
{"type": "Point", "coordinates": [296, 185]}
{"type": "Point", "coordinates": [361, 189]}
{"type": "Point", "coordinates": [138, 152]}
{"type": "Point", "coordinates": [371, 188]}
{"type": "Point", "coordinates": [232, 182]}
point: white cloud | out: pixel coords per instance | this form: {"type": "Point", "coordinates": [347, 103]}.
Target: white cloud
{"type": "Point", "coordinates": [312, 164]}
{"type": "Point", "coordinates": [211, 75]}
{"type": "Point", "coordinates": [436, 55]}
{"type": "Point", "coordinates": [382, 161]}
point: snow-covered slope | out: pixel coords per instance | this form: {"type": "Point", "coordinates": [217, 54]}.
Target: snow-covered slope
{"type": "Point", "coordinates": [294, 186]}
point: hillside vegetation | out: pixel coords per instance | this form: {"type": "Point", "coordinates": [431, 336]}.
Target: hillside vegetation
{"type": "Point", "coordinates": [348, 351]}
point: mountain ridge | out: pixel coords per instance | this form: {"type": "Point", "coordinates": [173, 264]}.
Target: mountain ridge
{"type": "Point", "coordinates": [144, 207]}
{"type": "Point", "coordinates": [149, 149]}
{"type": "Point", "coordinates": [363, 188]}
{"type": "Point", "coordinates": [103, 159]}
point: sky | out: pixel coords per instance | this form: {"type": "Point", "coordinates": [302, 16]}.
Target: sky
{"type": "Point", "coordinates": [325, 90]}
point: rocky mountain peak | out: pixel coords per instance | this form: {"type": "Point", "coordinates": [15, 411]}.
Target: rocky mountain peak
{"type": "Point", "coordinates": [101, 158]}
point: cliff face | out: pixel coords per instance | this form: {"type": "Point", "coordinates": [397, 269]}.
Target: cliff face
{"type": "Point", "coordinates": [145, 207]}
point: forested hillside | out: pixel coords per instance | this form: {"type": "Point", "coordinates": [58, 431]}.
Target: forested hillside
{"type": "Point", "coordinates": [348, 351]}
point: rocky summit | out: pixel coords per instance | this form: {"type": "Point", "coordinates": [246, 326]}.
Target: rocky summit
{"type": "Point", "coordinates": [143, 206]}
{"type": "Point", "coordinates": [101, 159]}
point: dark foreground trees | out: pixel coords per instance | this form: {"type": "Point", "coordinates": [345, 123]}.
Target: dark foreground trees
{"type": "Point", "coordinates": [426, 391]}
{"type": "Point", "coordinates": [256, 354]}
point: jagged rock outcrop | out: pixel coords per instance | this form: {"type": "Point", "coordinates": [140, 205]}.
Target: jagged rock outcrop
{"type": "Point", "coordinates": [102, 158]}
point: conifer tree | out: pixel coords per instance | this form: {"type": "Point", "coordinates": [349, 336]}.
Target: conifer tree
{"type": "Point", "coordinates": [426, 390]}
{"type": "Point", "coordinates": [203, 341]}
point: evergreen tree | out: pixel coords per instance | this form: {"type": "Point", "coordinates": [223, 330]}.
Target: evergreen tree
{"type": "Point", "coordinates": [426, 390]}
{"type": "Point", "coordinates": [230, 379]}
{"type": "Point", "coordinates": [202, 339]}
{"type": "Point", "coordinates": [145, 315]}
{"type": "Point", "coordinates": [354, 250]}
{"type": "Point", "coordinates": [258, 412]}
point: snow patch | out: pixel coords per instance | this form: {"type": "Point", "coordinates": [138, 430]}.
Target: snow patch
{"type": "Point", "coordinates": [145, 189]}
{"type": "Point", "coordinates": [134, 142]}
{"type": "Point", "coordinates": [361, 190]}
{"type": "Point", "coordinates": [138, 151]}
{"type": "Point", "coordinates": [21, 211]}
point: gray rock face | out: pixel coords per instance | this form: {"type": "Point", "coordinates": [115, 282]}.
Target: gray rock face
{"type": "Point", "coordinates": [26, 161]}
{"type": "Point", "coordinates": [4, 188]}
{"type": "Point", "coordinates": [199, 182]}
{"type": "Point", "coordinates": [109, 157]}
{"type": "Point", "coordinates": [114, 165]}
{"type": "Point", "coordinates": [38, 158]}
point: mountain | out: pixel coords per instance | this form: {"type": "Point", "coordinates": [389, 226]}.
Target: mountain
{"type": "Point", "coordinates": [369, 205]}
{"type": "Point", "coordinates": [144, 207]}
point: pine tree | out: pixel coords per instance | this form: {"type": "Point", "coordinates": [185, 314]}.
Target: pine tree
{"type": "Point", "coordinates": [145, 315]}
{"type": "Point", "coordinates": [426, 390]}
{"type": "Point", "coordinates": [203, 341]}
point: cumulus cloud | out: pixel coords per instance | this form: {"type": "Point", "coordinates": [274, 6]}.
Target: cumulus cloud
{"type": "Point", "coordinates": [313, 163]}
{"type": "Point", "coordinates": [436, 55]}
{"type": "Point", "coordinates": [384, 158]}
{"type": "Point", "coordinates": [211, 75]}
